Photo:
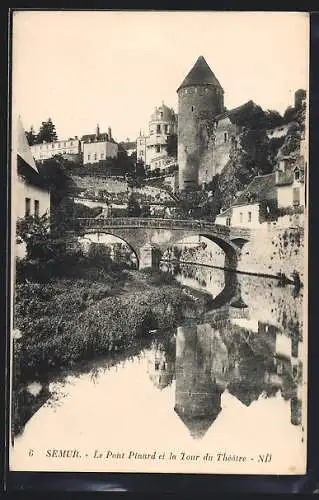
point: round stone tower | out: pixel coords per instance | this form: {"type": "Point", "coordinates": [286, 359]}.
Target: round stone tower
{"type": "Point", "coordinates": [200, 99]}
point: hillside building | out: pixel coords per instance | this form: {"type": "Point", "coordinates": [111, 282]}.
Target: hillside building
{"type": "Point", "coordinates": [151, 148]}
{"type": "Point", "coordinates": [68, 148]}
{"type": "Point", "coordinates": [98, 147]}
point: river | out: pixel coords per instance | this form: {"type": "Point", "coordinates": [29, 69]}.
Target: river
{"type": "Point", "coordinates": [232, 382]}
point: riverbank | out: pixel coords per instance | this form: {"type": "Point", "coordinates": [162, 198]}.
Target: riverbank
{"type": "Point", "coordinates": [68, 321]}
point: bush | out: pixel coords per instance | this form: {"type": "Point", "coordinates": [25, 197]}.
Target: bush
{"type": "Point", "coordinates": [66, 321]}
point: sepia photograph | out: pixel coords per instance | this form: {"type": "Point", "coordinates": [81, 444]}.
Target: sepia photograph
{"type": "Point", "coordinates": [159, 222]}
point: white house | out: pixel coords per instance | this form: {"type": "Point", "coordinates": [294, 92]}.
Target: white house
{"type": "Point", "coordinates": [29, 197]}
{"type": "Point", "coordinates": [98, 147]}
{"type": "Point", "coordinates": [68, 148]}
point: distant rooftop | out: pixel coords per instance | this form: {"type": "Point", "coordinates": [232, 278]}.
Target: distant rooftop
{"type": "Point", "coordinates": [261, 188]}
{"type": "Point", "coordinates": [235, 113]}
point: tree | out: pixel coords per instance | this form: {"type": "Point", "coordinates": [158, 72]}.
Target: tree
{"type": "Point", "coordinates": [273, 118]}
{"type": "Point", "coordinates": [31, 136]}
{"type": "Point", "coordinates": [171, 145]}
{"type": "Point", "coordinates": [133, 207]}
{"type": "Point", "coordinates": [55, 177]}
{"type": "Point", "coordinates": [47, 132]}
{"type": "Point", "coordinates": [34, 231]}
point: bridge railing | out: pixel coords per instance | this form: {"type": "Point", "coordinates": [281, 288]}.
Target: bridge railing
{"type": "Point", "coordinates": [153, 223]}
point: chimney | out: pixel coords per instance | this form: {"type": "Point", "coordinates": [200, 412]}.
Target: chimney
{"type": "Point", "coordinates": [109, 133]}
{"type": "Point", "coordinates": [97, 131]}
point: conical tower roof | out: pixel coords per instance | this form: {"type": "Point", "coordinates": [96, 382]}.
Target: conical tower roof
{"type": "Point", "coordinates": [200, 74]}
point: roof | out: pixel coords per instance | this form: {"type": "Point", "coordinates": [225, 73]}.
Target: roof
{"type": "Point", "coordinates": [198, 426]}
{"type": "Point", "coordinates": [234, 114]}
{"type": "Point", "coordinates": [128, 145]}
{"type": "Point", "coordinates": [226, 213]}
{"type": "Point", "coordinates": [261, 188]}
{"type": "Point", "coordinates": [168, 114]}
{"type": "Point", "coordinates": [21, 146]}
{"type": "Point", "coordinates": [200, 74]}
{"type": "Point", "coordinates": [92, 137]}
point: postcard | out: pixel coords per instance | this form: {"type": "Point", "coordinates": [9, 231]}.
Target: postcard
{"type": "Point", "coordinates": [159, 168]}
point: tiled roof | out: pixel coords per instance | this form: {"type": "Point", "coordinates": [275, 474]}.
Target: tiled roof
{"type": "Point", "coordinates": [92, 137]}
{"type": "Point", "coordinates": [200, 74]}
{"type": "Point", "coordinates": [234, 113]}
{"type": "Point", "coordinates": [262, 187]}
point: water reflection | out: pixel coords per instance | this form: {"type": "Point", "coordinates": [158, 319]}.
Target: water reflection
{"type": "Point", "coordinates": [236, 371]}
{"type": "Point", "coordinates": [235, 350]}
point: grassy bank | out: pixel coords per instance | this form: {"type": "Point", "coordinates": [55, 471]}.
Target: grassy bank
{"type": "Point", "coordinates": [68, 320]}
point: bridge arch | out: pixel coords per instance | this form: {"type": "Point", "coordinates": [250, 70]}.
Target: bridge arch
{"type": "Point", "coordinates": [90, 236]}
{"type": "Point", "coordinates": [165, 233]}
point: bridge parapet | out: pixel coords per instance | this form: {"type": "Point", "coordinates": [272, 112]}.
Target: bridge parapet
{"type": "Point", "coordinates": [153, 223]}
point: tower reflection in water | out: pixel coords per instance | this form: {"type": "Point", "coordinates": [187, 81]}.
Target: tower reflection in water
{"type": "Point", "coordinates": [248, 359]}
{"type": "Point", "coordinates": [249, 344]}
{"type": "Point", "coordinates": [201, 365]}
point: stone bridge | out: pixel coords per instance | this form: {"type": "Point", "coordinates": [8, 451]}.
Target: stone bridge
{"type": "Point", "coordinates": [139, 233]}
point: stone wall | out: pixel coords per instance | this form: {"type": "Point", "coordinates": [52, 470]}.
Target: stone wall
{"type": "Point", "coordinates": [268, 252]}
{"type": "Point", "coordinates": [273, 252]}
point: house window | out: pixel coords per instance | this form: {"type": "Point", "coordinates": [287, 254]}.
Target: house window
{"type": "Point", "coordinates": [166, 129]}
{"type": "Point", "coordinates": [296, 196]}
{"type": "Point", "coordinates": [64, 145]}
{"type": "Point", "coordinates": [225, 136]}
{"type": "Point", "coordinates": [228, 221]}
{"type": "Point", "coordinates": [158, 148]}
{"type": "Point", "coordinates": [241, 217]}
{"type": "Point", "coordinates": [161, 115]}
{"type": "Point", "coordinates": [192, 108]}
{"type": "Point", "coordinates": [297, 175]}
{"type": "Point", "coordinates": [89, 157]}
{"type": "Point", "coordinates": [52, 145]}
{"type": "Point", "coordinates": [102, 156]}
{"type": "Point", "coordinates": [71, 143]}
{"type": "Point", "coordinates": [36, 208]}
{"type": "Point", "coordinates": [158, 129]}
{"type": "Point", "coordinates": [27, 207]}
{"type": "Point", "coordinates": [249, 216]}
{"type": "Point", "coordinates": [95, 156]}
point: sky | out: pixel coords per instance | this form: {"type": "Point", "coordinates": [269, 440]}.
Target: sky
{"type": "Point", "coordinates": [113, 68]}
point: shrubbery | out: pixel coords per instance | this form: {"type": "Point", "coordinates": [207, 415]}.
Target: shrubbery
{"type": "Point", "coordinates": [66, 321]}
